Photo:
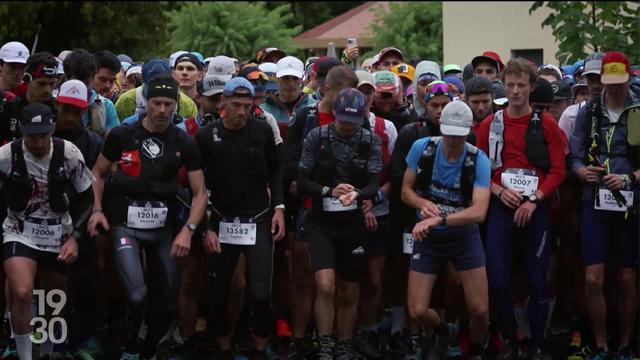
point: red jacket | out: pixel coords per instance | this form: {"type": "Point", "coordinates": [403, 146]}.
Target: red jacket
{"type": "Point", "coordinates": [513, 154]}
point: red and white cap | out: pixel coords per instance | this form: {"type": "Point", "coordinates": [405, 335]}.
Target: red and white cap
{"type": "Point", "coordinates": [14, 52]}
{"type": "Point", "coordinates": [74, 92]}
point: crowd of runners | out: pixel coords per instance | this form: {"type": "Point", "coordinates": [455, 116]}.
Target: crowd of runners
{"type": "Point", "coordinates": [196, 207]}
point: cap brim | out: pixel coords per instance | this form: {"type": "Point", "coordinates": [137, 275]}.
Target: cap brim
{"type": "Point", "coordinates": [212, 92]}
{"type": "Point", "coordinates": [40, 129]}
{"type": "Point", "coordinates": [366, 83]}
{"type": "Point", "coordinates": [72, 101]}
{"type": "Point", "coordinates": [500, 101]}
{"type": "Point", "coordinates": [451, 130]}
{"type": "Point", "coordinates": [357, 120]}
{"type": "Point", "coordinates": [289, 72]}
{"type": "Point", "coordinates": [593, 71]}
{"type": "Point", "coordinates": [15, 60]}
{"type": "Point", "coordinates": [386, 88]}
{"type": "Point", "coordinates": [561, 97]}
{"type": "Point", "coordinates": [614, 79]}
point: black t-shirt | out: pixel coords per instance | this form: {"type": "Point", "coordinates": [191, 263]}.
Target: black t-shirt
{"type": "Point", "coordinates": [88, 142]}
{"type": "Point", "coordinates": [240, 165]}
{"type": "Point", "coordinates": [148, 165]}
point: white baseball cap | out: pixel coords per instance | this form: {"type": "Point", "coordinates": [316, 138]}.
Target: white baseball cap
{"type": "Point", "coordinates": [290, 65]}
{"type": "Point", "coordinates": [211, 85]}
{"type": "Point", "coordinates": [135, 69]}
{"type": "Point", "coordinates": [74, 92]}
{"type": "Point", "coordinates": [60, 67]}
{"type": "Point", "coordinates": [223, 66]}
{"type": "Point", "coordinates": [14, 52]}
{"type": "Point", "coordinates": [456, 119]}
{"type": "Point", "coordinates": [174, 56]}
{"type": "Point", "coordinates": [63, 54]}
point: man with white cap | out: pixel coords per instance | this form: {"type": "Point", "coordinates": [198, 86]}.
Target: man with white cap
{"type": "Point", "coordinates": [14, 57]}
{"type": "Point", "coordinates": [447, 183]}
{"type": "Point", "coordinates": [289, 98]}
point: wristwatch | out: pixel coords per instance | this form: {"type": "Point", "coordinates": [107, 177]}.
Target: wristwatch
{"type": "Point", "coordinates": [325, 191]}
{"type": "Point", "coordinates": [192, 227]}
{"type": "Point", "coordinates": [533, 198]}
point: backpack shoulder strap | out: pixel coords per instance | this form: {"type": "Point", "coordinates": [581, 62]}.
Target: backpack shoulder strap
{"type": "Point", "coordinates": [425, 164]}
{"type": "Point", "coordinates": [18, 164]}
{"type": "Point", "coordinates": [496, 139]}
{"type": "Point", "coordinates": [468, 173]}
{"type": "Point", "coordinates": [57, 158]}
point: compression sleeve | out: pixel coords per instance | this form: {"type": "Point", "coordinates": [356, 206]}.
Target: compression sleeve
{"type": "Point", "coordinates": [80, 210]}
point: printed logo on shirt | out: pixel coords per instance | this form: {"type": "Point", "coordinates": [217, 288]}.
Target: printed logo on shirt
{"type": "Point", "coordinates": [358, 251]}
{"type": "Point", "coordinates": [416, 256]}
{"type": "Point", "coordinates": [130, 163]}
{"type": "Point", "coordinates": [152, 148]}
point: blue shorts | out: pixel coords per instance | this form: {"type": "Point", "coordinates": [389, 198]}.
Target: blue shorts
{"type": "Point", "coordinates": [599, 228]}
{"type": "Point", "coordinates": [378, 241]}
{"type": "Point", "coordinates": [461, 246]}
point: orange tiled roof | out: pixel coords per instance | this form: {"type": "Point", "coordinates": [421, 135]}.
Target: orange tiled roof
{"type": "Point", "coordinates": [353, 23]}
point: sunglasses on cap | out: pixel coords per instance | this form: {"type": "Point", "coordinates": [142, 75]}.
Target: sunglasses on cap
{"type": "Point", "coordinates": [438, 89]}
{"type": "Point", "coordinates": [257, 75]}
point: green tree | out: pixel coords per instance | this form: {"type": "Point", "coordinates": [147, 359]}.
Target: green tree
{"type": "Point", "coordinates": [593, 26]}
{"type": "Point", "coordinates": [136, 28]}
{"type": "Point", "coordinates": [236, 29]}
{"type": "Point", "coordinates": [414, 27]}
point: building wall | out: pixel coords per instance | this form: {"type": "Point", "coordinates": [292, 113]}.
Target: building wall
{"type": "Point", "coordinates": [470, 28]}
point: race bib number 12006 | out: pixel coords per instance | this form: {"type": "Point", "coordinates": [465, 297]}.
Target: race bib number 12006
{"type": "Point", "coordinates": [46, 232]}
{"type": "Point", "coordinates": [608, 202]}
{"type": "Point", "coordinates": [407, 243]}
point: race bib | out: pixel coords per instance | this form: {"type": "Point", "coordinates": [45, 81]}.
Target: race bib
{"type": "Point", "coordinates": [381, 209]}
{"type": "Point", "coordinates": [521, 180]}
{"type": "Point", "coordinates": [46, 232]}
{"type": "Point", "coordinates": [147, 215]}
{"type": "Point", "coordinates": [331, 204]}
{"type": "Point", "coordinates": [237, 233]}
{"type": "Point", "coordinates": [608, 202]}
{"type": "Point", "coordinates": [407, 243]}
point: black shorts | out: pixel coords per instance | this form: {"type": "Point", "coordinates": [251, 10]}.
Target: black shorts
{"type": "Point", "coordinates": [46, 259]}
{"type": "Point", "coordinates": [461, 246]}
{"type": "Point", "coordinates": [337, 244]}
{"type": "Point", "coordinates": [379, 241]}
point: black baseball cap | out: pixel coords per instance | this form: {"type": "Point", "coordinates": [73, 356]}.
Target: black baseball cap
{"type": "Point", "coordinates": [477, 85]}
{"type": "Point", "coordinates": [323, 65]}
{"type": "Point", "coordinates": [561, 90]}
{"type": "Point", "coordinates": [36, 119]}
{"type": "Point", "coordinates": [543, 93]}
{"type": "Point", "coordinates": [190, 58]}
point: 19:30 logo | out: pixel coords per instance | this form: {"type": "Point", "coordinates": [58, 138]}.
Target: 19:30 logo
{"type": "Point", "coordinates": [47, 328]}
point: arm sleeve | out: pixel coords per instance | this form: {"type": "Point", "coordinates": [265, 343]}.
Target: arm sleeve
{"type": "Point", "coordinates": [275, 164]}
{"type": "Point", "coordinates": [112, 116]}
{"type": "Point", "coordinates": [307, 164]}
{"type": "Point", "coordinates": [555, 146]}
{"type": "Point", "coordinates": [190, 153]}
{"type": "Point", "coordinates": [577, 141]}
{"type": "Point", "coordinates": [80, 210]}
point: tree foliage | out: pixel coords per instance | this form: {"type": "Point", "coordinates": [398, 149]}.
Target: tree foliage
{"type": "Point", "coordinates": [594, 25]}
{"type": "Point", "coordinates": [414, 27]}
{"type": "Point", "coordinates": [236, 29]}
{"type": "Point", "coordinates": [136, 28]}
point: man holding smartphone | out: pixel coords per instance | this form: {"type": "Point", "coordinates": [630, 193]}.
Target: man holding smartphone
{"type": "Point", "coordinates": [351, 52]}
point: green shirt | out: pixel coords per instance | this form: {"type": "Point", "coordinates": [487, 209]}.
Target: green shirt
{"type": "Point", "coordinates": [126, 105]}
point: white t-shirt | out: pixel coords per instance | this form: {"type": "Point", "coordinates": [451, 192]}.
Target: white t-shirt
{"type": "Point", "coordinates": [567, 121]}
{"type": "Point", "coordinates": [37, 233]}
{"type": "Point", "coordinates": [613, 116]}
{"type": "Point", "coordinates": [389, 129]}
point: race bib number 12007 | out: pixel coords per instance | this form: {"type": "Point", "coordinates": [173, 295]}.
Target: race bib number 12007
{"type": "Point", "coordinates": [521, 181]}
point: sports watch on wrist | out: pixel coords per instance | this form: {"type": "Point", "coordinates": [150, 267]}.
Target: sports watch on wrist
{"type": "Point", "coordinates": [325, 191]}
{"type": "Point", "coordinates": [192, 227]}
{"type": "Point", "coordinates": [533, 198]}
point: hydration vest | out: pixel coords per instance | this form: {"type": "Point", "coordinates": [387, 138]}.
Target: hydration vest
{"type": "Point", "coordinates": [535, 144]}
{"type": "Point", "coordinates": [326, 164]}
{"type": "Point", "coordinates": [594, 117]}
{"type": "Point", "coordinates": [141, 177]}
{"type": "Point", "coordinates": [424, 180]}
{"type": "Point", "coordinates": [18, 189]}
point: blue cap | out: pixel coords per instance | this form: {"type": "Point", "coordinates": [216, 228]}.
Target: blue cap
{"type": "Point", "coordinates": [155, 67]}
{"type": "Point", "coordinates": [452, 79]}
{"type": "Point", "coordinates": [237, 83]}
{"type": "Point", "coordinates": [349, 106]}
{"type": "Point", "coordinates": [199, 56]}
